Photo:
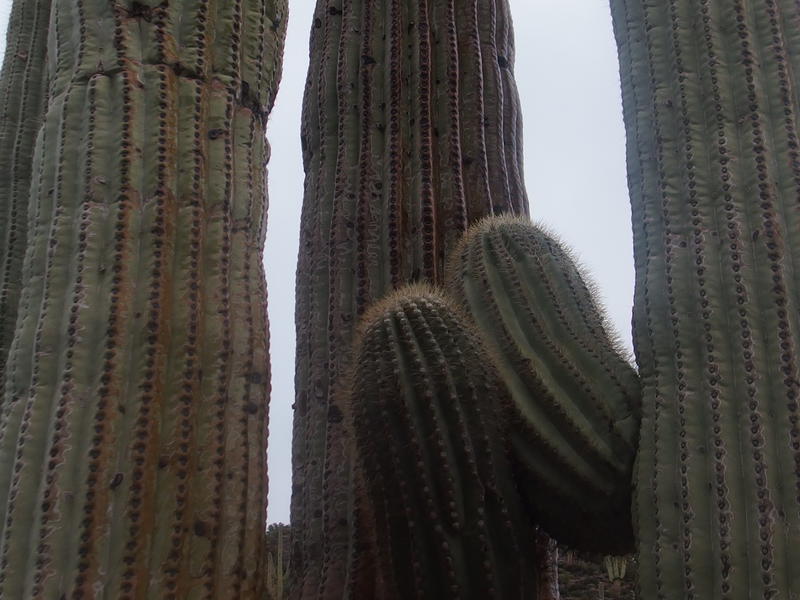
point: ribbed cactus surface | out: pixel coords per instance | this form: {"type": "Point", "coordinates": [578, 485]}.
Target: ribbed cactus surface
{"type": "Point", "coordinates": [411, 130]}
{"type": "Point", "coordinates": [428, 408]}
{"type": "Point", "coordinates": [710, 90]}
{"type": "Point", "coordinates": [23, 84]}
{"type": "Point", "coordinates": [133, 427]}
{"type": "Point", "coordinates": [574, 424]}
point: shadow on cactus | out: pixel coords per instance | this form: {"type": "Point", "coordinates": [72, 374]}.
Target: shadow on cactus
{"type": "Point", "coordinates": [474, 422]}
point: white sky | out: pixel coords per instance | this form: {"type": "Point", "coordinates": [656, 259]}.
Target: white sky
{"type": "Point", "coordinates": [566, 68]}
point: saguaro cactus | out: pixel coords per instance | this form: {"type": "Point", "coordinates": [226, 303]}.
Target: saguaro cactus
{"type": "Point", "coordinates": [410, 132]}
{"type": "Point", "coordinates": [133, 428]}
{"type": "Point", "coordinates": [22, 100]}
{"type": "Point", "coordinates": [710, 91]}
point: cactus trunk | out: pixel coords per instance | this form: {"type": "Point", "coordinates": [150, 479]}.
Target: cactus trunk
{"type": "Point", "coordinates": [23, 91]}
{"type": "Point", "coordinates": [710, 91]}
{"type": "Point", "coordinates": [410, 132]}
{"type": "Point", "coordinates": [133, 431]}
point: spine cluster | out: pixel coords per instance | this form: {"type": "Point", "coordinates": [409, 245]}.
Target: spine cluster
{"type": "Point", "coordinates": [133, 425]}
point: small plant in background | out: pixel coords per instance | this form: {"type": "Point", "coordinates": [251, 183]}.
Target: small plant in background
{"type": "Point", "coordinates": [277, 571]}
{"type": "Point", "coordinates": [585, 577]}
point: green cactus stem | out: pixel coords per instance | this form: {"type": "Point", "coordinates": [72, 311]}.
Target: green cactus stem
{"type": "Point", "coordinates": [575, 421]}
{"type": "Point", "coordinates": [411, 131]}
{"type": "Point", "coordinates": [277, 570]}
{"type": "Point", "coordinates": [133, 429]}
{"type": "Point", "coordinates": [22, 101]}
{"type": "Point", "coordinates": [710, 95]}
{"type": "Point", "coordinates": [428, 407]}
{"type": "Point", "coordinates": [616, 567]}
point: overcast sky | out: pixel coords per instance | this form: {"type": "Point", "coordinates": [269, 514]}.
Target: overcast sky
{"type": "Point", "coordinates": [566, 70]}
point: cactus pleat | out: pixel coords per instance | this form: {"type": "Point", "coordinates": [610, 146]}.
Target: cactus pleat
{"type": "Point", "coordinates": [23, 91]}
{"type": "Point", "coordinates": [574, 427]}
{"type": "Point", "coordinates": [410, 132]}
{"type": "Point", "coordinates": [427, 419]}
{"type": "Point", "coordinates": [710, 91]}
{"type": "Point", "coordinates": [133, 431]}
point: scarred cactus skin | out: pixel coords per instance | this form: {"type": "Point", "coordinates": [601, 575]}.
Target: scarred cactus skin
{"type": "Point", "coordinates": [411, 131]}
{"type": "Point", "coordinates": [710, 94]}
{"type": "Point", "coordinates": [574, 424]}
{"type": "Point", "coordinates": [22, 100]}
{"type": "Point", "coordinates": [428, 408]}
{"type": "Point", "coordinates": [133, 426]}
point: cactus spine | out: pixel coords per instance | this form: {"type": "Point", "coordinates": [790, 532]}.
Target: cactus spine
{"type": "Point", "coordinates": [710, 91]}
{"type": "Point", "coordinates": [22, 99]}
{"type": "Point", "coordinates": [574, 424]}
{"type": "Point", "coordinates": [133, 429]}
{"type": "Point", "coordinates": [410, 132]}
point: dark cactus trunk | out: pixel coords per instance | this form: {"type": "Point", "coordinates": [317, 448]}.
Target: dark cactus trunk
{"type": "Point", "coordinates": [23, 91]}
{"type": "Point", "coordinates": [411, 131]}
{"type": "Point", "coordinates": [133, 430]}
{"type": "Point", "coordinates": [710, 90]}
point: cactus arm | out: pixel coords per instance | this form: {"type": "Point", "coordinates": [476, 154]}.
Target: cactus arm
{"type": "Point", "coordinates": [428, 434]}
{"type": "Point", "coordinates": [133, 432]}
{"type": "Point", "coordinates": [710, 100]}
{"type": "Point", "coordinates": [390, 160]}
{"type": "Point", "coordinates": [573, 429]}
{"type": "Point", "coordinates": [22, 98]}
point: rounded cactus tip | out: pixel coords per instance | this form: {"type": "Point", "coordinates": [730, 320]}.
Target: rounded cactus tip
{"type": "Point", "coordinates": [400, 299]}
{"type": "Point", "coordinates": [540, 239]}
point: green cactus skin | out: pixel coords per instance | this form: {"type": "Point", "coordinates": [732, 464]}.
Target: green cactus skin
{"type": "Point", "coordinates": [428, 407]}
{"type": "Point", "coordinates": [133, 429]}
{"type": "Point", "coordinates": [710, 94]}
{"type": "Point", "coordinates": [575, 421]}
{"type": "Point", "coordinates": [22, 100]}
{"type": "Point", "coordinates": [411, 131]}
